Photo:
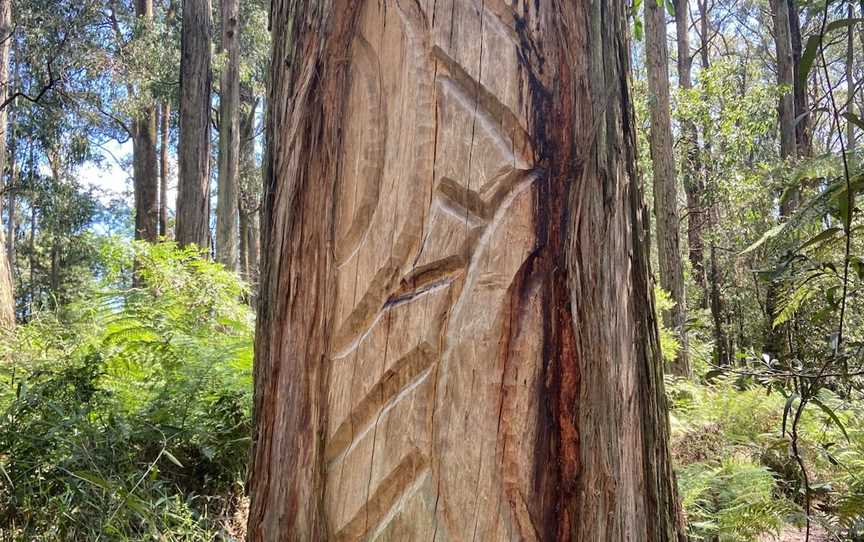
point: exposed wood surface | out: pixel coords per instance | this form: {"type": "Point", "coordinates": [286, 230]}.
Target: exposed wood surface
{"type": "Point", "coordinates": [455, 336]}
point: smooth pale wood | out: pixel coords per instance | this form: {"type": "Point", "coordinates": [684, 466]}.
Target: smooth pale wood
{"type": "Point", "coordinates": [455, 336]}
{"type": "Point", "coordinates": [193, 152]}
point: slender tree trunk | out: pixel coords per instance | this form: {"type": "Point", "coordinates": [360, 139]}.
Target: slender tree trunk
{"type": "Point", "coordinates": [850, 80]}
{"type": "Point", "coordinates": [785, 78]}
{"type": "Point", "coordinates": [665, 177]}
{"type": "Point", "coordinates": [229, 139]}
{"type": "Point", "coordinates": [193, 194]}
{"type": "Point", "coordinates": [165, 128]}
{"type": "Point", "coordinates": [455, 327]}
{"type": "Point", "coordinates": [145, 175]}
{"type": "Point", "coordinates": [803, 143]}
{"type": "Point", "coordinates": [7, 293]}
{"type": "Point", "coordinates": [714, 292]}
{"type": "Point", "coordinates": [250, 189]}
{"type": "Point", "coordinates": [694, 185]}
{"type": "Point", "coordinates": [775, 337]}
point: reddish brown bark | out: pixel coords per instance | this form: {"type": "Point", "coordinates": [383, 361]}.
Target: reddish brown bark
{"type": "Point", "coordinates": [455, 326]}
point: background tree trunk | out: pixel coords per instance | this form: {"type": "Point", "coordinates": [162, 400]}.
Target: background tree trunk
{"type": "Point", "coordinates": [193, 193]}
{"type": "Point", "coordinates": [7, 294]}
{"type": "Point", "coordinates": [145, 176]}
{"type": "Point", "coordinates": [455, 326]}
{"type": "Point", "coordinates": [227, 202]}
{"type": "Point", "coordinates": [785, 77]}
{"type": "Point", "coordinates": [250, 190]}
{"type": "Point", "coordinates": [803, 136]}
{"type": "Point", "coordinates": [163, 169]}
{"type": "Point", "coordinates": [694, 185]}
{"type": "Point", "coordinates": [665, 177]}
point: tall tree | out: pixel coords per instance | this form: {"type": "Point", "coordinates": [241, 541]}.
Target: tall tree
{"type": "Point", "coordinates": [455, 330]}
{"type": "Point", "coordinates": [227, 203]}
{"type": "Point", "coordinates": [665, 176]}
{"type": "Point", "coordinates": [694, 185]}
{"type": "Point", "coordinates": [144, 158]}
{"type": "Point", "coordinates": [7, 297]}
{"type": "Point", "coordinates": [785, 78]}
{"type": "Point", "coordinates": [165, 129]}
{"type": "Point", "coordinates": [193, 193]}
{"type": "Point", "coordinates": [803, 143]}
{"type": "Point", "coordinates": [250, 191]}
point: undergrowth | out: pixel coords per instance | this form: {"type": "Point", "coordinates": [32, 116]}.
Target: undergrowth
{"type": "Point", "coordinates": [125, 415]}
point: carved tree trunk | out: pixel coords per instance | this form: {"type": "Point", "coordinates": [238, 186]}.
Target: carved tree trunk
{"type": "Point", "coordinates": [665, 177]}
{"type": "Point", "coordinates": [145, 173]}
{"type": "Point", "coordinates": [193, 193]}
{"type": "Point", "coordinates": [694, 184]}
{"type": "Point", "coordinates": [165, 129]}
{"type": "Point", "coordinates": [227, 202]}
{"type": "Point", "coordinates": [7, 294]}
{"type": "Point", "coordinates": [455, 335]}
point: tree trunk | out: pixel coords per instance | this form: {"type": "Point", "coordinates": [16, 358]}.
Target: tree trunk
{"type": "Point", "coordinates": [7, 294]}
{"type": "Point", "coordinates": [694, 185]}
{"type": "Point", "coordinates": [165, 128]}
{"type": "Point", "coordinates": [665, 178]}
{"type": "Point", "coordinates": [785, 78]}
{"type": "Point", "coordinates": [455, 325]}
{"type": "Point", "coordinates": [250, 190]}
{"type": "Point", "coordinates": [803, 142]}
{"type": "Point", "coordinates": [227, 203]}
{"type": "Point", "coordinates": [145, 177]}
{"type": "Point", "coordinates": [193, 194]}
{"type": "Point", "coordinates": [850, 79]}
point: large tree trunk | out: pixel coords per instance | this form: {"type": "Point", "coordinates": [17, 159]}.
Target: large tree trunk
{"type": "Point", "coordinates": [694, 184]}
{"type": "Point", "coordinates": [193, 193]}
{"type": "Point", "coordinates": [227, 203]}
{"type": "Point", "coordinates": [145, 176]}
{"type": "Point", "coordinates": [7, 295]}
{"type": "Point", "coordinates": [455, 327]}
{"type": "Point", "coordinates": [665, 177]}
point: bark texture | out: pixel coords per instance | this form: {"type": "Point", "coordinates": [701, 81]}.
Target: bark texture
{"type": "Point", "coordinates": [7, 294]}
{"type": "Point", "coordinates": [665, 177]}
{"type": "Point", "coordinates": [455, 335]}
{"type": "Point", "coordinates": [145, 164]}
{"type": "Point", "coordinates": [193, 192]}
{"type": "Point", "coordinates": [227, 203]}
{"type": "Point", "coordinates": [785, 78]}
{"type": "Point", "coordinates": [250, 192]}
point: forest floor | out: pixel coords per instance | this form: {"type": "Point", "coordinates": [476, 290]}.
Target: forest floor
{"type": "Point", "coordinates": [793, 534]}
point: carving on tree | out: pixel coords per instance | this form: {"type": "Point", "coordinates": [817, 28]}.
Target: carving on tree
{"type": "Point", "coordinates": [454, 337]}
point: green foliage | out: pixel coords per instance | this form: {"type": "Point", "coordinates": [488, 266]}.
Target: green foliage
{"type": "Point", "coordinates": [127, 412]}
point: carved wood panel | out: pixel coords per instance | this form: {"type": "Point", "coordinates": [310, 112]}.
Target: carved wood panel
{"type": "Point", "coordinates": [432, 389]}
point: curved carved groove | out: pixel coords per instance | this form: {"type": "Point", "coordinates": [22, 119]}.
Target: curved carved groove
{"type": "Point", "coordinates": [394, 489]}
{"type": "Point", "coordinates": [427, 278]}
{"type": "Point", "coordinates": [500, 120]}
{"type": "Point", "coordinates": [368, 67]}
{"type": "Point", "coordinates": [394, 384]}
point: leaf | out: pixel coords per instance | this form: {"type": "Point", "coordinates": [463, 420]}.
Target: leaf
{"type": "Point", "coordinates": [173, 459]}
{"type": "Point", "coordinates": [813, 42]}
{"type": "Point", "coordinates": [822, 236]}
{"type": "Point", "coordinates": [773, 232]}
{"type": "Point", "coordinates": [833, 416]}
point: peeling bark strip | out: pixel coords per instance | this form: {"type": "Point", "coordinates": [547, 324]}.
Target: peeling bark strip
{"type": "Point", "coordinates": [455, 336]}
